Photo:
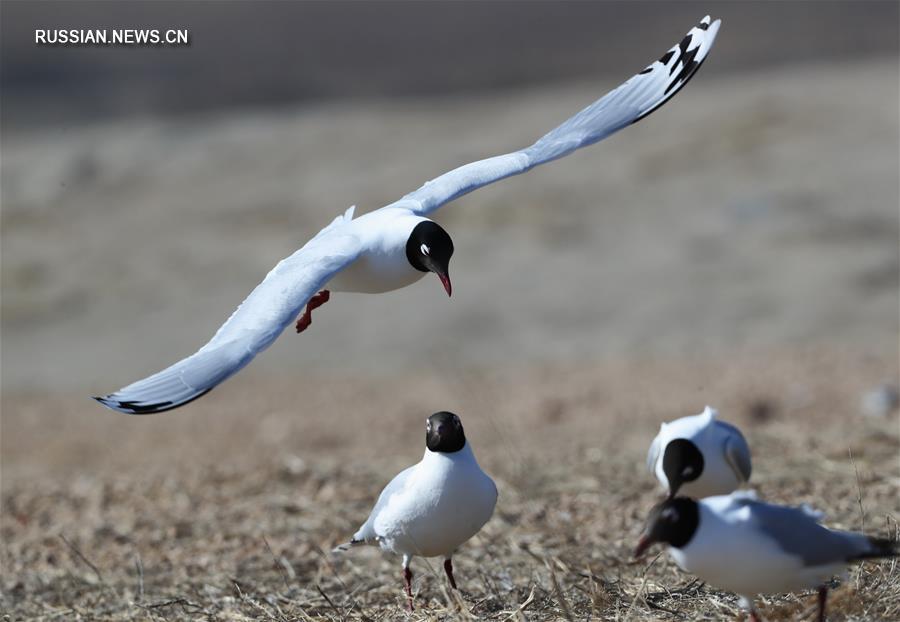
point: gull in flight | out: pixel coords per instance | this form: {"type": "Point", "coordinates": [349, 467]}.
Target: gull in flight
{"type": "Point", "coordinates": [398, 244]}
{"type": "Point", "coordinates": [433, 507]}
{"type": "Point", "coordinates": [699, 456]}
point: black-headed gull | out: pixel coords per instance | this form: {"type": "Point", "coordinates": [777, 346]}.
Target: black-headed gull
{"type": "Point", "coordinates": [433, 507]}
{"type": "Point", "coordinates": [396, 245]}
{"type": "Point", "coordinates": [699, 456]}
{"type": "Point", "coordinates": [737, 543]}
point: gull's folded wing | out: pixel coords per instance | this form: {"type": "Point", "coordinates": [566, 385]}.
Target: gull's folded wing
{"type": "Point", "coordinates": [737, 454]}
{"type": "Point", "coordinates": [627, 104]}
{"type": "Point", "coordinates": [796, 531]}
{"type": "Point", "coordinates": [257, 322]}
{"type": "Point", "coordinates": [366, 533]}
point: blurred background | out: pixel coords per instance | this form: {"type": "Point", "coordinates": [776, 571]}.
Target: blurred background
{"type": "Point", "coordinates": [738, 248]}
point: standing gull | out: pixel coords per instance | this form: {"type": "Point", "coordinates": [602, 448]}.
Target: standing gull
{"type": "Point", "coordinates": [737, 543]}
{"type": "Point", "coordinates": [396, 245]}
{"type": "Point", "coordinates": [433, 507]}
{"type": "Point", "coordinates": [699, 456]}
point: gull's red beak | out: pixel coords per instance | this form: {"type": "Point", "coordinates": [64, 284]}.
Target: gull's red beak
{"type": "Point", "coordinates": [643, 544]}
{"type": "Point", "coordinates": [445, 281]}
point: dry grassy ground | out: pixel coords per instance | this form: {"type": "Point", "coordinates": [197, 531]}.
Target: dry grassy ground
{"type": "Point", "coordinates": [227, 511]}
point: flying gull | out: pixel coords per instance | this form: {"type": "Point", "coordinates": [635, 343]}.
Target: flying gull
{"type": "Point", "coordinates": [398, 244]}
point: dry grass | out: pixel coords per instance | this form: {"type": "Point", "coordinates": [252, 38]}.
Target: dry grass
{"type": "Point", "coordinates": [232, 516]}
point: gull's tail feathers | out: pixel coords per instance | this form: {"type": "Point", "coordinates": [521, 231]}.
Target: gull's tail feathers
{"type": "Point", "coordinates": [880, 547]}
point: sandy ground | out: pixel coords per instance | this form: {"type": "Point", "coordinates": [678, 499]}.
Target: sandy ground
{"type": "Point", "coordinates": [739, 248]}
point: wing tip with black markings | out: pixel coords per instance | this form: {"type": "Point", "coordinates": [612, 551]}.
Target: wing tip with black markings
{"type": "Point", "coordinates": [133, 407]}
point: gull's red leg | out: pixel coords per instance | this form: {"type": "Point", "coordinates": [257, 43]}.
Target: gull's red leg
{"type": "Point", "coordinates": [315, 302]}
{"type": "Point", "coordinates": [448, 568]}
{"type": "Point", "coordinates": [407, 578]}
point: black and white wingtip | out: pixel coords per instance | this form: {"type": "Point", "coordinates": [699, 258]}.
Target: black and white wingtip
{"type": "Point", "coordinates": [683, 60]}
{"type": "Point", "coordinates": [181, 383]}
{"type": "Point", "coordinates": [143, 408]}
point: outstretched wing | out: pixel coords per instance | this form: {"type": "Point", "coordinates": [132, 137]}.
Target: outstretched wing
{"type": "Point", "coordinates": [257, 322]}
{"type": "Point", "coordinates": [627, 104]}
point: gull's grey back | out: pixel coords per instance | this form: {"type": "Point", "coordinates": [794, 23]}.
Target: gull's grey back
{"type": "Point", "coordinates": [797, 531]}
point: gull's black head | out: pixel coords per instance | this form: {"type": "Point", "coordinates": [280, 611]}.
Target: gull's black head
{"type": "Point", "coordinates": [429, 249]}
{"type": "Point", "coordinates": [682, 462]}
{"type": "Point", "coordinates": [671, 522]}
{"type": "Point", "coordinates": [444, 433]}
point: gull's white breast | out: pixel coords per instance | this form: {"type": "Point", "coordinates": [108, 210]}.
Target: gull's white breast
{"type": "Point", "coordinates": [446, 500]}
{"type": "Point", "coordinates": [382, 266]}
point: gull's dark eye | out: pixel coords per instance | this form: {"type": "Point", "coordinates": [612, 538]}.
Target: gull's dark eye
{"type": "Point", "coordinates": [425, 250]}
